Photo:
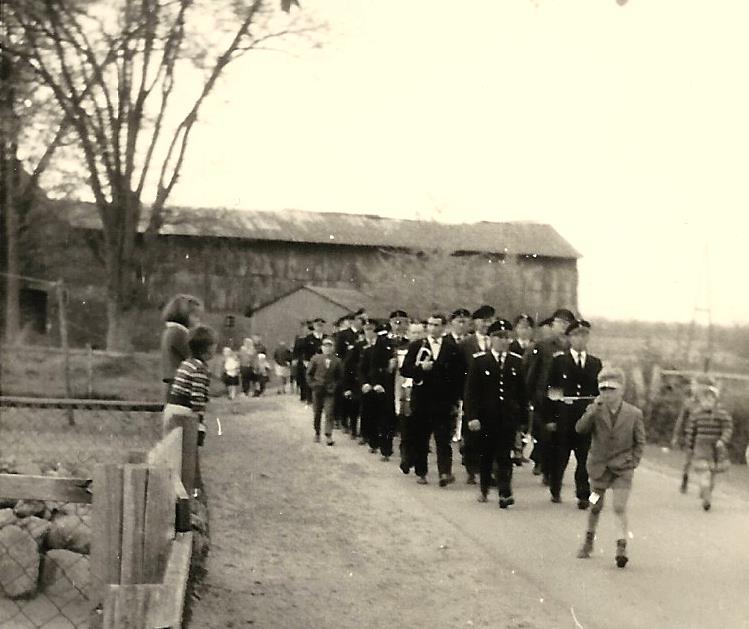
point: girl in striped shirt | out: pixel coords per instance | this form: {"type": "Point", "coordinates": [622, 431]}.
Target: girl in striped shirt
{"type": "Point", "coordinates": [708, 433]}
{"type": "Point", "coordinates": [188, 392]}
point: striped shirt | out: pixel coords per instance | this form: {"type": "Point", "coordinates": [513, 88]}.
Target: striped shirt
{"type": "Point", "coordinates": [709, 425]}
{"type": "Point", "coordinates": [190, 386]}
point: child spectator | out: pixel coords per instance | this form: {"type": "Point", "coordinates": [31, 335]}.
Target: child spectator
{"type": "Point", "coordinates": [282, 358]}
{"type": "Point", "coordinates": [180, 314]}
{"type": "Point", "coordinates": [247, 364]}
{"type": "Point", "coordinates": [708, 433]}
{"type": "Point", "coordinates": [324, 374]}
{"type": "Point", "coordinates": [263, 373]}
{"type": "Point", "coordinates": [617, 441]}
{"type": "Point", "coordinates": [188, 392]}
{"type": "Point", "coordinates": [231, 372]}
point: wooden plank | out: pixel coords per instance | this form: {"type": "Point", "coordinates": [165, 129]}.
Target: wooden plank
{"type": "Point", "coordinates": [122, 405]}
{"type": "Point", "coordinates": [130, 607]}
{"type": "Point", "coordinates": [168, 452]}
{"type": "Point", "coordinates": [718, 375]}
{"type": "Point", "coordinates": [189, 425]}
{"type": "Point", "coordinates": [110, 605]}
{"type": "Point", "coordinates": [60, 489]}
{"type": "Point", "coordinates": [159, 523]}
{"type": "Point", "coordinates": [182, 519]}
{"type": "Point", "coordinates": [106, 539]}
{"type": "Point", "coordinates": [167, 610]}
{"type": "Point", "coordinates": [133, 517]}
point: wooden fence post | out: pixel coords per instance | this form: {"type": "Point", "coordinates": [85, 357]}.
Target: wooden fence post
{"type": "Point", "coordinates": [60, 292]}
{"type": "Point", "coordinates": [189, 425]}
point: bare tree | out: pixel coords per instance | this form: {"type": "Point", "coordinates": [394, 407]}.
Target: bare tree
{"type": "Point", "coordinates": [118, 71]}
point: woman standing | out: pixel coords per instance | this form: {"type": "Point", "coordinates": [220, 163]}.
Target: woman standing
{"type": "Point", "coordinates": [179, 315]}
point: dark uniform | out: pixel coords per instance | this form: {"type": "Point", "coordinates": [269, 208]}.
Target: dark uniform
{"type": "Point", "coordinates": [434, 396]}
{"type": "Point", "coordinates": [470, 348]}
{"type": "Point", "coordinates": [495, 395]}
{"type": "Point", "coordinates": [299, 370]}
{"type": "Point", "coordinates": [351, 386]}
{"type": "Point", "coordinates": [347, 407]}
{"type": "Point", "coordinates": [538, 366]}
{"type": "Point", "coordinates": [377, 369]}
{"type": "Point", "coordinates": [573, 380]}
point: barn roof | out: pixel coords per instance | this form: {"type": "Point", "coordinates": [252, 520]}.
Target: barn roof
{"type": "Point", "coordinates": [349, 299]}
{"type": "Point", "coordinates": [297, 226]}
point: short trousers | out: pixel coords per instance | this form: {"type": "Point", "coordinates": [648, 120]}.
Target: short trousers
{"type": "Point", "coordinates": [611, 480]}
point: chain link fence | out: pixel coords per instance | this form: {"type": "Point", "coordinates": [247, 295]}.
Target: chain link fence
{"type": "Point", "coordinates": [45, 544]}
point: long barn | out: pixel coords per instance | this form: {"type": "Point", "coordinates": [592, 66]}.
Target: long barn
{"type": "Point", "coordinates": [238, 260]}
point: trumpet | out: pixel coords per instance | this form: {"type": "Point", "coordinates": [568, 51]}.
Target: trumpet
{"type": "Point", "coordinates": [424, 354]}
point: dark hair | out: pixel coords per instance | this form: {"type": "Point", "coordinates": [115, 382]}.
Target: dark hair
{"type": "Point", "coordinates": [201, 338]}
{"type": "Point", "coordinates": [179, 309]}
{"type": "Point", "coordinates": [439, 316]}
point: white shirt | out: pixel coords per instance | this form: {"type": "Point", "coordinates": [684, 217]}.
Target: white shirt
{"type": "Point", "coordinates": [484, 343]}
{"type": "Point", "coordinates": [579, 357]}
{"type": "Point", "coordinates": [500, 358]}
{"type": "Point", "coordinates": [435, 345]}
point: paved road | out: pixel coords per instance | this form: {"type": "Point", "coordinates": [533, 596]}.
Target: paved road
{"type": "Point", "coordinates": [309, 536]}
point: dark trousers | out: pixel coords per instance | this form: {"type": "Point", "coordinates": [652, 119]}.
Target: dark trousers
{"type": "Point", "coordinates": [470, 449]}
{"type": "Point", "coordinates": [322, 401]}
{"type": "Point", "coordinates": [405, 428]}
{"type": "Point", "coordinates": [246, 377]}
{"type": "Point", "coordinates": [377, 421]}
{"type": "Point", "coordinates": [351, 410]}
{"type": "Point", "coordinates": [496, 448]}
{"type": "Point", "coordinates": [441, 425]}
{"type": "Point", "coordinates": [542, 454]}
{"type": "Point", "coordinates": [305, 393]}
{"type": "Point", "coordinates": [562, 442]}
{"type": "Point", "coordinates": [386, 424]}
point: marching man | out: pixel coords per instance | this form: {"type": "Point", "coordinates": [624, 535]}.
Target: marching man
{"type": "Point", "coordinates": [494, 400]}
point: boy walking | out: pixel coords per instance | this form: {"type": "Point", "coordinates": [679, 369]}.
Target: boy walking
{"type": "Point", "coordinates": [324, 375]}
{"type": "Point", "coordinates": [617, 441]}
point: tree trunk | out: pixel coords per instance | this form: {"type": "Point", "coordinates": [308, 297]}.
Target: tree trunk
{"type": "Point", "coordinates": [119, 326]}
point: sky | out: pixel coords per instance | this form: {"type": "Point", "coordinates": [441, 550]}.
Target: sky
{"type": "Point", "coordinates": [624, 127]}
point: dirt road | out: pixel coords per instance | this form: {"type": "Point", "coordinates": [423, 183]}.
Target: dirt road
{"type": "Point", "coordinates": [306, 536]}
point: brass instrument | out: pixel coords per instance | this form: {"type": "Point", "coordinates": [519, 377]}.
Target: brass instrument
{"type": "Point", "coordinates": [423, 355]}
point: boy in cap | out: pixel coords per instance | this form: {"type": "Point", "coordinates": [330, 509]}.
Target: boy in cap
{"type": "Point", "coordinates": [324, 374]}
{"type": "Point", "coordinates": [538, 365]}
{"type": "Point", "coordinates": [708, 433]}
{"type": "Point", "coordinates": [617, 442]}
{"type": "Point", "coordinates": [494, 400]}
{"type": "Point", "coordinates": [573, 384]}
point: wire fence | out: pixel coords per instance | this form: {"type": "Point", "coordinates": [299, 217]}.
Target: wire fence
{"type": "Point", "coordinates": [48, 449]}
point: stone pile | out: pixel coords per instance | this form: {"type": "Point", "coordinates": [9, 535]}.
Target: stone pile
{"type": "Point", "coordinates": [44, 545]}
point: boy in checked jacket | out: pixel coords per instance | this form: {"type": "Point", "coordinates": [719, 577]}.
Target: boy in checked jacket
{"type": "Point", "coordinates": [617, 441]}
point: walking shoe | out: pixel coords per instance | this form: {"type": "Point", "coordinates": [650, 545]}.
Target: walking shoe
{"type": "Point", "coordinates": [362, 442]}
{"type": "Point", "coordinates": [330, 441]}
{"type": "Point", "coordinates": [385, 457]}
{"type": "Point", "coordinates": [471, 480]}
{"type": "Point", "coordinates": [705, 496]}
{"type": "Point", "coordinates": [506, 502]}
{"type": "Point", "coordinates": [546, 481]}
{"type": "Point", "coordinates": [405, 467]}
{"type": "Point", "coordinates": [621, 553]}
{"type": "Point", "coordinates": [536, 469]}
{"type": "Point", "coordinates": [317, 438]}
{"type": "Point", "coordinates": [684, 483]}
{"type": "Point", "coordinates": [583, 504]}
{"type": "Point", "coordinates": [587, 547]}
{"type": "Point", "coordinates": [482, 497]}
{"type": "Point", "coordinates": [450, 479]}
{"type": "Point", "coordinates": [706, 505]}
{"type": "Point", "coordinates": [422, 480]}
{"type": "Point", "coordinates": [372, 450]}
{"type": "Point", "coordinates": [444, 480]}
{"type": "Point", "coordinates": [556, 498]}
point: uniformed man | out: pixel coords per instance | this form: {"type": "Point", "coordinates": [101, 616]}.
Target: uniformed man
{"type": "Point", "coordinates": [436, 368]}
{"type": "Point", "coordinates": [538, 364]}
{"type": "Point", "coordinates": [298, 367]}
{"type": "Point", "coordinates": [573, 385]}
{"type": "Point", "coordinates": [494, 399]}
{"type": "Point", "coordinates": [523, 327]}
{"type": "Point", "coordinates": [372, 386]}
{"type": "Point", "coordinates": [312, 346]}
{"type": "Point", "coordinates": [459, 320]}
{"type": "Point", "coordinates": [473, 345]}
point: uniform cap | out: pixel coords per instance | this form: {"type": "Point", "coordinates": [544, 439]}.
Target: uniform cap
{"type": "Point", "coordinates": [524, 317]}
{"type": "Point", "coordinates": [577, 324]}
{"type": "Point", "coordinates": [564, 314]}
{"type": "Point", "coordinates": [327, 341]}
{"type": "Point", "coordinates": [460, 312]}
{"type": "Point", "coordinates": [483, 312]}
{"type": "Point", "coordinates": [399, 314]}
{"type": "Point", "coordinates": [318, 320]}
{"type": "Point", "coordinates": [547, 321]}
{"type": "Point", "coordinates": [611, 378]}
{"type": "Point", "coordinates": [500, 325]}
